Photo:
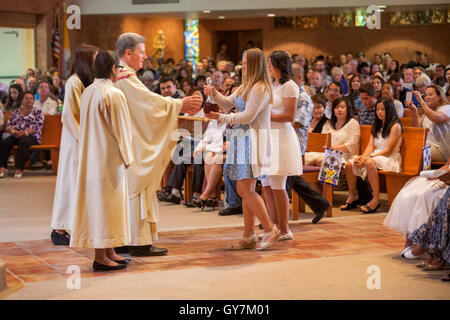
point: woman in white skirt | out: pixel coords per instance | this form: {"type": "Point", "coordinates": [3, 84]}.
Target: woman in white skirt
{"type": "Point", "coordinates": [382, 153]}
{"type": "Point", "coordinates": [345, 132]}
{"type": "Point", "coordinates": [286, 153]}
{"type": "Point", "coordinates": [413, 206]}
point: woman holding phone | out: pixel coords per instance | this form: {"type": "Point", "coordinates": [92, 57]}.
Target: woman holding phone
{"type": "Point", "coordinates": [249, 152]}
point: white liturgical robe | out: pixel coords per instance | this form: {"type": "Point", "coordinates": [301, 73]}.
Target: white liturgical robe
{"type": "Point", "coordinates": [68, 155]}
{"type": "Point", "coordinates": [101, 218]}
{"type": "Point", "coordinates": [153, 119]}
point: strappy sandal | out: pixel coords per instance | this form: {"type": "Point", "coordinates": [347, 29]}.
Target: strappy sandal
{"type": "Point", "coordinates": [369, 209]}
{"type": "Point", "coordinates": [245, 243]}
{"type": "Point", "coordinates": [212, 202]}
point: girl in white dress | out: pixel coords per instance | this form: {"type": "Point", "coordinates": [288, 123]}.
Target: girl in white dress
{"type": "Point", "coordinates": [345, 133]}
{"type": "Point", "coordinates": [286, 153]}
{"type": "Point", "coordinates": [382, 153]}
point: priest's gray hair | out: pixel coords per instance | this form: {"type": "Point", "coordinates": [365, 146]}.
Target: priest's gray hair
{"type": "Point", "coordinates": [128, 40]}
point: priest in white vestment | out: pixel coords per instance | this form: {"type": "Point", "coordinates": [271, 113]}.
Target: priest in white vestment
{"type": "Point", "coordinates": [101, 217]}
{"type": "Point", "coordinates": [154, 119]}
{"type": "Point", "coordinates": [68, 156]}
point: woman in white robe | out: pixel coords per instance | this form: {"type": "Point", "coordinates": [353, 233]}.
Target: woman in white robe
{"type": "Point", "coordinates": [82, 76]}
{"type": "Point", "coordinates": [101, 218]}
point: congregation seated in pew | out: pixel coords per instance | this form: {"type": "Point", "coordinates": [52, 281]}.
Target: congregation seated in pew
{"type": "Point", "coordinates": [345, 132]}
{"type": "Point", "coordinates": [23, 129]}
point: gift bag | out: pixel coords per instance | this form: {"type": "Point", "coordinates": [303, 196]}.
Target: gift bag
{"type": "Point", "coordinates": [426, 158]}
{"type": "Point", "coordinates": [331, 167]}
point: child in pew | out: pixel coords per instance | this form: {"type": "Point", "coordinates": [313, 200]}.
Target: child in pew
{"type": "Point", "coordinates": [382, 153]}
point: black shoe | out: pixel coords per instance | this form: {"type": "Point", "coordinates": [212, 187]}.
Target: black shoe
{"type": "Point", "coordinates": [59, 239]}
{"type": "Point", "coordinates": [192, 204]}
{"type": "Point", "coordinates": [162, 195]}
{"type": "Point", "coordinates": [124, 249]}
{"type": "Point", "coordinates": [230, 211]}
{"type": "Point", "coordinates": [349, 206]}
{"type": "Point", "coordinates": [124, 261]}
{"type": "Point", "coordinates": [101, 267]}
{"type": "Point", "coordinates": [173, 199]}
{"type": "Point", "coordinates": [320, 214]}
{"type": "Point", "coordinates": [147, 251]}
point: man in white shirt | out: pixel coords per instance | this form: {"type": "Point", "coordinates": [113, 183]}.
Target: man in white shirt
{"type": "Point", "coordinates": [45, 103]}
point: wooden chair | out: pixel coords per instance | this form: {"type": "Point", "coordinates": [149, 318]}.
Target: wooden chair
{"type": "Point", "coordinates": [316, 143]}
{"type": "Point", "coordinates": [50, 138]}
{"type": "Point", "coordinates": [411, 151]}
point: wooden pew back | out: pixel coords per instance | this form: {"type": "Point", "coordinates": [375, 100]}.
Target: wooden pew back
{"type": "Point", "coordinates": [51, 131]}
{"type": "Point", "coordinates": [317, 142]}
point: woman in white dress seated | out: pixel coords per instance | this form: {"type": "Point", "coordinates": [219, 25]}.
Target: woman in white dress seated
{"type": "Point", "coordinates": [413, 206]}
{"type": "Point", "coordinates": [382, 153]}
{"type": "Point", "coordinates": [345, 133]}
{"type": "Point", "coordinates": [434, 114]}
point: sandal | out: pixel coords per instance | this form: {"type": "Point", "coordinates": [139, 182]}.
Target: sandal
{"type": "Point", "coordinates": [212, 202]}
{"type": "Point", "coordinates": [245, 243]}
{"type": "Point", "coordinates": [349, 206]}
{"type": "Point", "coordinates": [421, 264]}
{"type": "Point", "coordinates": [369, 209]}
{"type": "Point", "coordinates": [286, 236]}
{"type": "Point", "coordinates": [433, 267]}
{"type": "Point", "coordinates": [269, 238]}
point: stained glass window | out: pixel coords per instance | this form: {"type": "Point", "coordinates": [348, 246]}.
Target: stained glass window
{"type": "Point", "coordinates": [308, 22]}
{"type": "Point", "coordinates": [341, 20]}
{"type": "Point", "coordinates": [403, 17]}
{"type": "Point", "coordinates": [430, 16]}
{"type": "Point", "coordinates": [191, 42]}
{"type": "Point", "coordinates": [360, 17]}
{"type": "Point", "coordinates": [285, 22]}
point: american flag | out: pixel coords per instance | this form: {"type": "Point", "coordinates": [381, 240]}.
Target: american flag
{"type": "Point", "coordinates": [55, 43]}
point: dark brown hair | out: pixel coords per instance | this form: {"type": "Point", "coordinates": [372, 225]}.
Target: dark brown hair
{"type": "Point", "coordinates": [104, 62]}
{"type": "Point", "coordinates": [83, 63]}
{"type": "Point", "coordinates": [282, 61]}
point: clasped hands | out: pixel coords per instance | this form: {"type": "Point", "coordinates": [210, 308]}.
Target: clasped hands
{"type": "Point", "coordinates": [359, 161]}
{"type": "Point", "coordinates": [18, 133]}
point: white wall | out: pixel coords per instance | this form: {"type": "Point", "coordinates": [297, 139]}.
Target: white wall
{"type": "Point", "coordinates": [16, 54]}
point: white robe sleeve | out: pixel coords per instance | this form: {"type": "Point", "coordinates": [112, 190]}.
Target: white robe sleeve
{"type": "Point", "coordinates": [121, 126]}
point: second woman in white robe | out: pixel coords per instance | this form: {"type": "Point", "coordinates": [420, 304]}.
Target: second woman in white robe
{"type": "Point", "coordinates": [101, 218]}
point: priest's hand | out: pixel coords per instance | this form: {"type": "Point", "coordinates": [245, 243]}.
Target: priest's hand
{"type": "Point", "coordinates": [192, 105]}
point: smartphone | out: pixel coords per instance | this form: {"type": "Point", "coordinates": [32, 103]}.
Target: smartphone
{"type": "Point", "coordinates": [409, 96]}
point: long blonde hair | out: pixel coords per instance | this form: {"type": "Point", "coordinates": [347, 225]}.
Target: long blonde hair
{"type": "Point", "coordinates": [257, 72]}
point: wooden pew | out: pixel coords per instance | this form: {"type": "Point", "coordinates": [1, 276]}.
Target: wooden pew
{"type": "Point", "coordinates": [407, 122]}
{"type": "Point", "coordinates": [316, 143]}
{"type": "Point", "coordinates": [411, 151]}
{"type": "Point", "coordinates": [50, 138]}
